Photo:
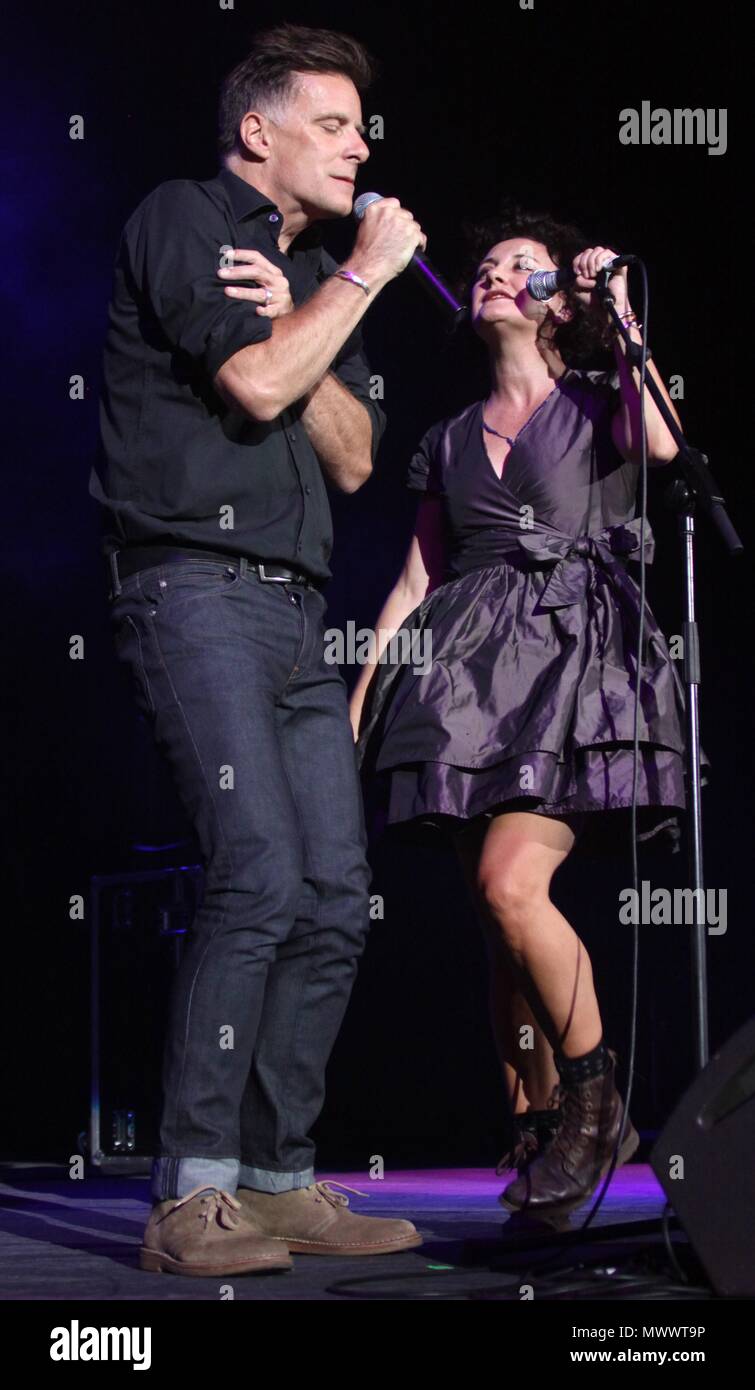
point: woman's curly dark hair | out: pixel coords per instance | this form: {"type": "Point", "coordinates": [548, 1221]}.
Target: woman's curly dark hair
{"type": "Point", "coordinates": [585, 335]}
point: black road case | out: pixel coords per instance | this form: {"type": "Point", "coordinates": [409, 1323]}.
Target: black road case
{"type": "Point", "coordinates": [138, 924]}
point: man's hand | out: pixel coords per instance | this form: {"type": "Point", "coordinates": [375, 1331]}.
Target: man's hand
{"type": "Point", "coordinates": [387, 238]}
{"type": "Point", "coordinates": [273, 297]}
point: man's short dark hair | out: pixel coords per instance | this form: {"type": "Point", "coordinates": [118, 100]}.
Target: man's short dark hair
{"type": "Point", "coordinates": [265, 77]}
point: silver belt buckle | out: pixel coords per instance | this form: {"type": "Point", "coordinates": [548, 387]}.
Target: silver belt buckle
{"type": "Point", "coordinates": [271, 578]}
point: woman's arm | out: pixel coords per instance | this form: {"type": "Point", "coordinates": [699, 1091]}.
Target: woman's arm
{"type": "Point", "coordinates": [422, 572]}
{"type": "Point", "coordinates": [626, 424]}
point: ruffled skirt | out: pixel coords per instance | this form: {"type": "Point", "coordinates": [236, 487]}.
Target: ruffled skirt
{"type": "Point", "coordinates": [494, 702]}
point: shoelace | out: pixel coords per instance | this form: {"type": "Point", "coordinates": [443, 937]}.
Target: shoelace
{"type": "Point", "coordinates": [326, 1191]}
{"type": "Point", "coordinates": [571, 1136]}
{"type": "Point", "coordinates": [556, 1097]}
{"type": "Point", "coordinates": [217, 1204]}
{"type": "Point", "coordinates": [519, 1152]}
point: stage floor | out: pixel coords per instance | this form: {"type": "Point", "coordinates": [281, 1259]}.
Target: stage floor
{"type": "Point", "coordinates": [66, 1239]}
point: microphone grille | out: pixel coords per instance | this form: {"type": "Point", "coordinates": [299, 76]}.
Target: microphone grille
{"type": "Point", "coordinates": [362, 202]}
{"type": "Point", "coordinates": [542, 284]}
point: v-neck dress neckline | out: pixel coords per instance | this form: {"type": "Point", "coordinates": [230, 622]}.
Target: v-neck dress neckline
{"type": "Point", "coordinates": [513, 442]}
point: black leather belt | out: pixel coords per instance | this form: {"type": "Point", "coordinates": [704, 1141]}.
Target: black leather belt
{"type": "Point", "coordinates": [140, 557]}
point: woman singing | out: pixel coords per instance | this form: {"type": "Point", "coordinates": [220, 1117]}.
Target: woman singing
{"type": "Point", "coordinates": [518, 738]}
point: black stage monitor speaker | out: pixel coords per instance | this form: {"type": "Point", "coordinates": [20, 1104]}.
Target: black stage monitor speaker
{"type": "Point", "coordinates": [704, 1160]}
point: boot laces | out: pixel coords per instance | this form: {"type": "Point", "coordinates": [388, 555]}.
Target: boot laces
{"type": "Point", "coordinates": [217, 1205]}
{"type": "Point", "coordinates": [519, 1152]}
{"type": "Point", "coordinates": [326, 1191]}
{"type": "Point", "coordinates": [572, 1134]}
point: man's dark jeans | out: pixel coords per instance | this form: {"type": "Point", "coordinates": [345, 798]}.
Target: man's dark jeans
{"type": "Point", "coordinates": [230, 672]}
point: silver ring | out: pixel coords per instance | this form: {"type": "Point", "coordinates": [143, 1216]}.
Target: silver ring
{"type": "Point", "coordinates": [268, 295]}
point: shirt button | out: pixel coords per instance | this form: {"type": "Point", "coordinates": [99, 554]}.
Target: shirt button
{"type": "Point", "coordinates": [273, 217]}
{"type": "Point", "coordinates": [292, 435]}
{"type": "Point", "coordinates": [307, 488]}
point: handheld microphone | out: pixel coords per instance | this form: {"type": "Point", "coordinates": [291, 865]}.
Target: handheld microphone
{"type": "Point", "coordinates": [419, 265]}
{"type": "Point", "coordinates": [543, 284]}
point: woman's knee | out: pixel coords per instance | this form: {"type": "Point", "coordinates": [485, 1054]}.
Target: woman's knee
{"type": "Point", "coordinates": [513, 897]}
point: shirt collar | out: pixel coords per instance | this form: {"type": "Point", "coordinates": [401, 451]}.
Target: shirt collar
{"type": "Point", "coordinates": [246, 200]}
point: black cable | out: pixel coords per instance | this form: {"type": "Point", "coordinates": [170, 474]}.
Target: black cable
{"type": "Point", "coordinates": [669, 1246]}
{"type": "Point", "coordinates": [598, 1202]}
{"type": "Point", "coordinates": [552, 1284]}
{"type": "Point", "coordinates": [591, 1284]}
{"type": "Point", "coordinates": [635, 761]}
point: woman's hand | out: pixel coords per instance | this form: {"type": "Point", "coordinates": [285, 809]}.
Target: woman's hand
{"type": "Point", "coordinates": [587, 264]}
{"type": "Point", "coordinates": [273, 297]}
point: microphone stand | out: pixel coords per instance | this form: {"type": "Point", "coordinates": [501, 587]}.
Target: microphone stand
{"type": "Point", "coordinates": [695, 488]}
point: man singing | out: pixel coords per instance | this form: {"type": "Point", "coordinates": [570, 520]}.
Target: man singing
{"type": "Point", "coordinates": [223, 407]}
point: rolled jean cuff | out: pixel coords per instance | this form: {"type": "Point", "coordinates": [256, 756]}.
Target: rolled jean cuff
{"type": "Point", "coordinates": [177, 1177]}
{"type": "Point", "coordinates": [262, 1180]}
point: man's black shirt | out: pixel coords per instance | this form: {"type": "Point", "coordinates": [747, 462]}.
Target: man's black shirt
{"type": "Point", "coordinates": [178, 465]}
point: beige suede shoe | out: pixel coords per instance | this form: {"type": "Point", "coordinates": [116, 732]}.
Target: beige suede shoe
{"type": "Point", "coordinates": [200, 1235]}
{"type": "Point", "coordinates": [313, 1221]}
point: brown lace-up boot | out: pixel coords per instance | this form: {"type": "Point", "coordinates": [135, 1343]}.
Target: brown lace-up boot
{"type": "Point", "coordinates": [578, 1159]}
{"type": "Point", "coordinates": [201, 1235]}
{"type": "Point", "coordinates": [531, 1133]}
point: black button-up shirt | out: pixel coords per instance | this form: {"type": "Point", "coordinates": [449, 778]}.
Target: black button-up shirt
{"type": "Point", "coordinates": [178, 465]}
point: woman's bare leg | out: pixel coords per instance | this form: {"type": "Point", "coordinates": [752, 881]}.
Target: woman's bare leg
{"type": "Point", "coordinates": [518, 857]}
{"type": "Point", "coordinates": [529, 1071]}
{"type": "Point", "coordinates": [523, 1047]}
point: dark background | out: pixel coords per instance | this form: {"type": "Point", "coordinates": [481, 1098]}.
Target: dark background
{"type": "Point", "coordinates": [477, 103]}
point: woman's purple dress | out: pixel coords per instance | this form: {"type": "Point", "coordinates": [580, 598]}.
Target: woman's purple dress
{"type": "Point", "coordinates": [528, 702]}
